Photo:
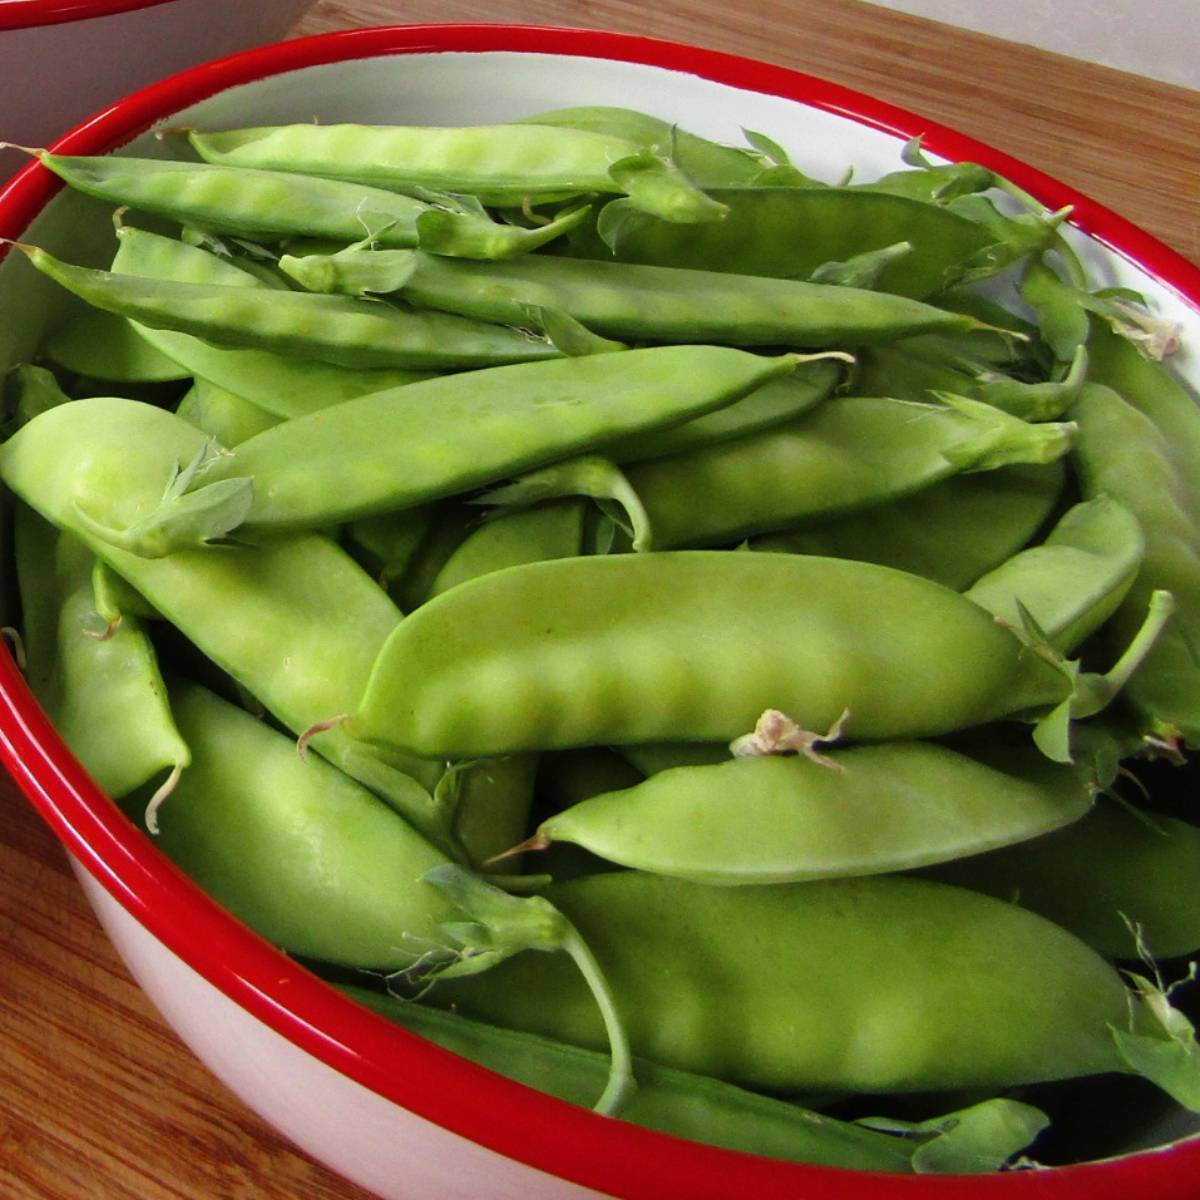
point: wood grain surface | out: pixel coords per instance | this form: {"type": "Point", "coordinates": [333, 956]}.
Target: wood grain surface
{"type": "Point", "coordinates": [98, 1100]}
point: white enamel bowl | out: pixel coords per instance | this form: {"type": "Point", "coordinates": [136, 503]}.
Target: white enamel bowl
{"type": "Point", "coordinates": [398, 1116]}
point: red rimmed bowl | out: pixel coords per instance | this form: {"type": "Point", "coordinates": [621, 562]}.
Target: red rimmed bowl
{"type": "Point", "coordinates": [65, 59]}
{"type": "Point", "coordinates": [395, 1114]}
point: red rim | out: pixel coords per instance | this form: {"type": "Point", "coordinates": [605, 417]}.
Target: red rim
{"type": "Point", "coordinates": [23, 14]}
{"type": "Point", "coordinates": [522, 1124]}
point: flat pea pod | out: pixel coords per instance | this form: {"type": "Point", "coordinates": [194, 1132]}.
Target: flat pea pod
{"type": "Point", "coordinates": [111, 458]}
{"type": "Point", "coordinates": [502, 165]}
{"type": "Point", "coordinates": [390, 450]}
{"type": "Point", "coordinates": [491, 803]}
{"type": "Point", "coordinates": [99, 682]}
{"type": "Point", "coordinates": [952, 532]}
{"type": "Point", "coordinates": [849, 453]}
{"type": "Point", "coordinates": [691, 645]}
{"type": "Point", "coordinates": [1072, 582]}
{"type": "Point", "coordinates": [864, 810]}
{"type": "Point", "coordinates": [334, 329]}
{"type": "Point", "coordinates": [243, 201]}
{"type": "Point", "coordinates": [790, 232]}
{"type": "Point", "coordinates": [677, 1102]}
{"type": "Point", "coordinates": [1120, 880]}
{"type": "Point", "coordinates": [222, 414]}
{"type": "Point", "coordinates": [885, 983]}
{"type": "Point", "coordinates": [709, 164]}
{"type": "Point", "coordinates": [1123, 452]}
{"type": "Point", "coordinates": [284, 386]}
{"type": "Point", "coordinates": [296, 849]}
{"type": "Point", "coordinates": [633, 301]}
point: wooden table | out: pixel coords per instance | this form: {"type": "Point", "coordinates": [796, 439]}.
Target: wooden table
{"type": "Point", "coordinates": [98, 1100]}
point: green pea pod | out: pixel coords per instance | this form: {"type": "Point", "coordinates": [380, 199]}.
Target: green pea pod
{"type": "Point", "coordinates": [1075, 580]}
{"type": "Point", "coordinates": [1014, 238]}
{"type": "Point", "coordinates": [886, 983]}
{"type": "Point", "coordinates": [501, 165]}
{"type": "Point", "coordinates": [491, 802]}
{"type": "Point", "coordinates": [863, 270]}
{"type": "Point", "coordinates": [113, 457]}
{"type": "Point", "coordinates": [30, 390]}
{"type": "Point", "coordinates": [103, 346]}
{"type": "Point", "coordinates": [296, 849]}
{"type": "Point", "coordinates": [98, 681]}
{"type": "Point", "coordinates": [283, 386]}
{"type": "Point", "coordinates": [243, 201]}
{"type": "Point", "coordinates": [860, 811]}
{"type": "Point", "coordinates": [852, 452]}
{"type": "Point", "coordinates": [702, 1108]}
{"type": "Point", "coordinates": [1062, 320]}
{"type": "Point", "coordinates": [225, 417]}
{"type": "Point", "coordinates": [952, 532]}
{"type": "Point", "coordinates": [335, 329]}
{"type": "Point", "coordinates": [1140, 456]}
{"type": "Point", "coordinates": [115, 599]}
{"type": "Point", "coordinates": [1120, 880]}
{"type": "Point", "coordinates": [390, 541]}
{"type": "Point", "coordinates": [691, 645]}
{"type": "Point", "coordinates": [633, 301]}
{"type": "Point", "coordinates": [390, 450]}
{"type": "Point", "coordinates": [788, 232]}
{"type": "Point", "coordinates": [530, 535]}
{"type": "Point", "coordinates": [708, 164]}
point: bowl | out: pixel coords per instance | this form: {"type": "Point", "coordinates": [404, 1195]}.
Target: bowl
{"type": "Point", "coordinates": [399, 1116]}
{"type": "Point", "coordinates": [65, 59]}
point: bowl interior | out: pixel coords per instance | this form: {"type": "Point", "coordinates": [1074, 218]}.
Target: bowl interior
{"type": "Point", "coordinates": [452, 87]}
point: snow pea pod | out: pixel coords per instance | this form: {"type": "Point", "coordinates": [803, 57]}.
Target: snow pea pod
{"type": "Point", "coordinates": [299, 851]}
{"type": "Point", "coordinates": [863, 810]}
{"type": "Point", "coordinates": [952, 532]}
{"type": "Point", "coordinates": [886, 983]}
{"type": "Point", "coordinates": [103, 346]}
{"type": "Point", "coordinates": [111, 458]}
{"type": "Point", "coordinates": [98, 682]}
{"type": "Point", "coordinates": [790, 232]}
{"type": "Point", "coordinates": [243, 201]}
{"type": "Point", "coordinates": [335, 329]}
{"type": "Point", "coordinates": [1075, 580]}
{"type": "Point", "coordinates": [635, 302]}
{"type": "Point", "coordinates": [502, 165]}
{"type": "Point", "coordinates": [284, 386]}
{"type": "Point", "coordinates": [690, 645]}
{"type": "Point", "coordinates": [1100, 878]}
{"type": "Point", "coordinates": [852, 452]}
{"type": "Point", "coordinates": [222, 414]}
{"type": "Point", "coordinates": [1126, 453]}
{"type": "Point", "coordinates": [391, 450]}
{"type": "Point", "coordinates": [677, 1102]}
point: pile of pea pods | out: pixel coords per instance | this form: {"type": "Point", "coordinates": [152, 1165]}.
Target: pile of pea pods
{"type": "Point", "coordinates": [713, 644]}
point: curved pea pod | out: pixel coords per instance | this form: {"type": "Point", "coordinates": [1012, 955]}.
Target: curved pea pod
{"type": "Point", "coordinates": [674, 304]}
{"type": "Point", "coordinates": [1120, 880]}
{"type": "Point", "coordinates": [103, 346]}
{"type": "Point", "coordinates": [116, 599]}
{"type": "Point", "coordinates": [284, 386]}
{"type": "Point", "coordinates": [224, 416]}
{"type": "Point", "coordinates": [691, 645]}
{"type": "Point", "coordinates": [468, 235]}
{"type": "Point", "coordinates": [491, 799]}
{"type": "Point", "coordinates": [299, 851]}
{"type": "Point", "coordinates": [886, 983]}
{"type": "Point", "coordinates": [334, 329]}
{"type": "Point", "coordinates": [709, 164]}
{"type": "Point", "coordinates": [788, 232]}
{"type": "Point", "coordinates": [865, 810]}
{"type": "Point", "coordinates": [113, 457]}
{"type": "Point", "coordinates": [1075, 580]}
{"type": "Point", "coordinates": [502, 165]}
{"type": "Point", "coordinates": [391, 450]}
{"type": "Point", "coordinates": [1144, 462]}
{"type": "Point", "coordinates": [698, 1107]}
{"type": "Point", "coordinates": [243, 201]}
{"type": "Point", "coordinates": [952, 532]}
{"type": "Point", "coordinates": [852, 452]}
{"type": "Point", "coordinates": [98, 681]}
